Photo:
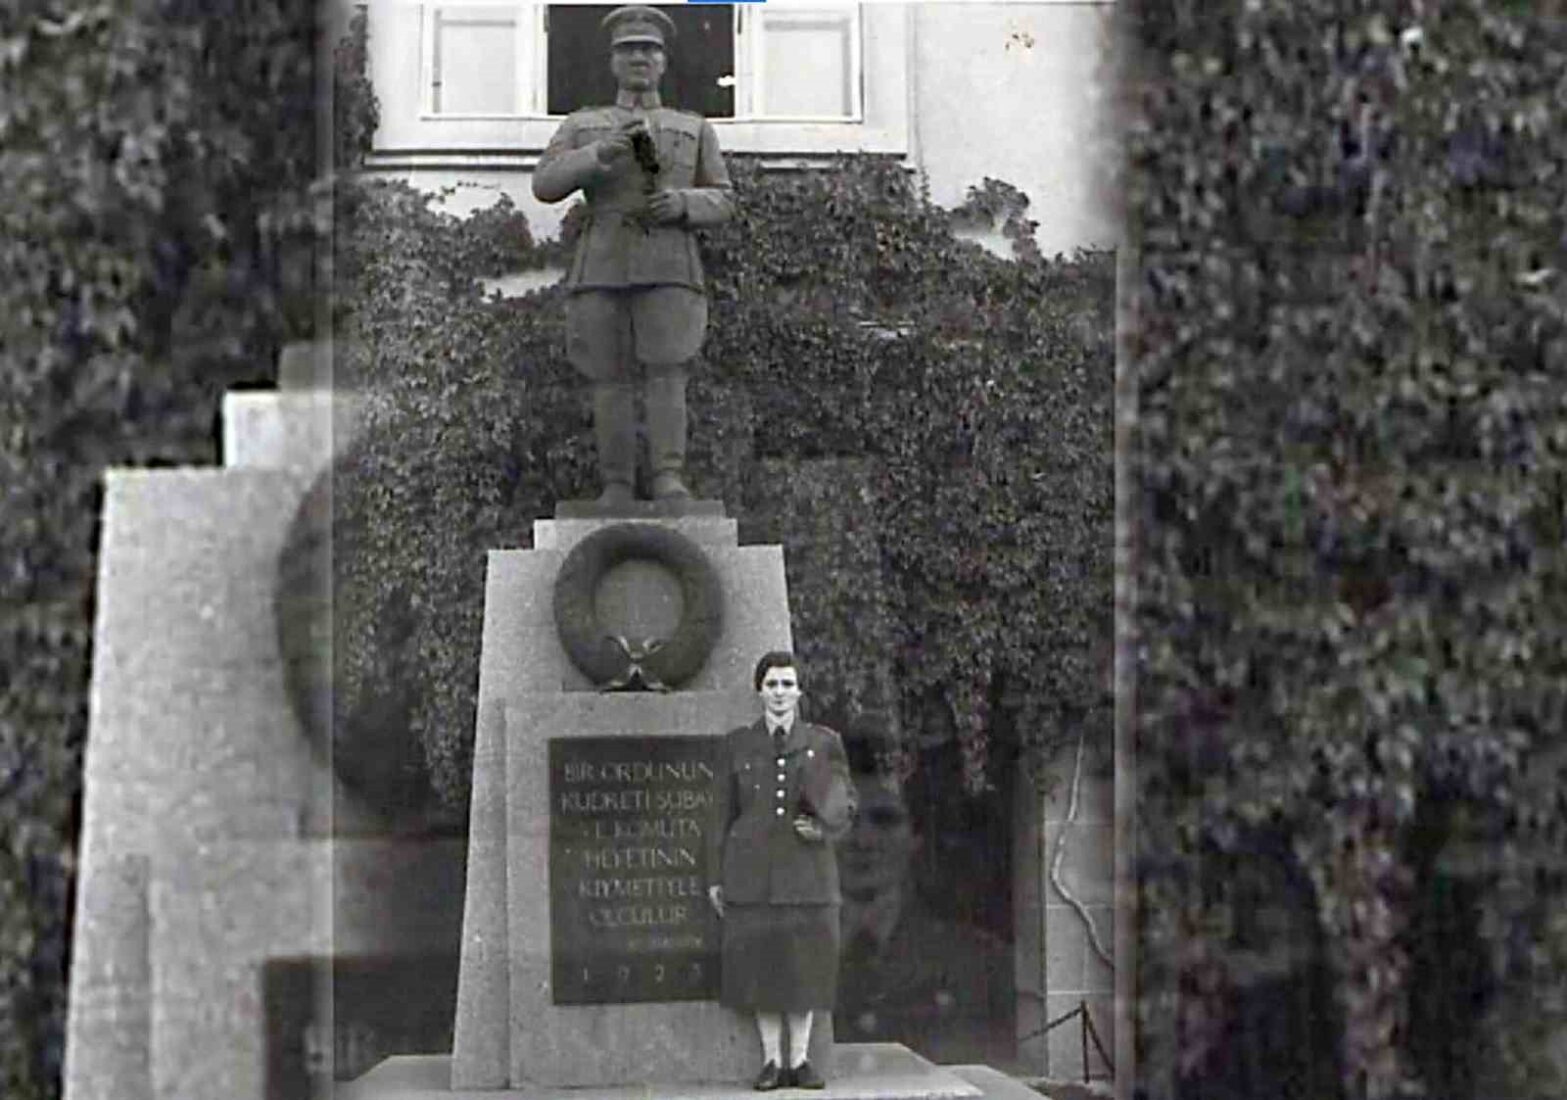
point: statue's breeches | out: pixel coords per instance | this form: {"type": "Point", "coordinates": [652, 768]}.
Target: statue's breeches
{"type": "Point", "coordinates": [608, 332]}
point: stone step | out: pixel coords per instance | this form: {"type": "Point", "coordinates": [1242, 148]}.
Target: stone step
{"type": "Point", "coordinates": [994, 1084]}
{"type": "Point", "coordinates": [862, 1071]}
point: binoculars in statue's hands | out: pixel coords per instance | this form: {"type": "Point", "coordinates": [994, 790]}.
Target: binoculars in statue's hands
{"type": "Point", "coordinates": [642, 148]}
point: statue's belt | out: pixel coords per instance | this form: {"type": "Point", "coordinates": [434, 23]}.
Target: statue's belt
{"type": "Point", "coordinates": [595, 209]}
{"type": "Point", "coordinates": [630, 216]}
{"type": "Point", "coordinates": [623, 209]}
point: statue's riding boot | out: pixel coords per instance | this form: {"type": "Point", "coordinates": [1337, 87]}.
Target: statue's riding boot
{"type": "Point", "coordinates": [666, 431]}
{"type": "Point", "coordinates": [615, 432]}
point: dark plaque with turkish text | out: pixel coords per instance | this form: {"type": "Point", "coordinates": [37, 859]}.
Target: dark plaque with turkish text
{"type": "Point", "coordinates": [629, 915]}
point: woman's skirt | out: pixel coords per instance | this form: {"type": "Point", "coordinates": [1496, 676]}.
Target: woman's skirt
{"type": "Point", "coordinates": [780, 958]}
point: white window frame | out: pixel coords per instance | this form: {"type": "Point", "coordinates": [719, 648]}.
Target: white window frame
{"type": "Point", "coordinates": [527, 59]}
{"type": "Point", "coordinates": [751, 59]}
{"type": "Point", "coordinates": [411, 133]}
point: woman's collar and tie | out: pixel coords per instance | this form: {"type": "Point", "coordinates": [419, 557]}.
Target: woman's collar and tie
{"type": "Point", "coordinates": [778, 728]}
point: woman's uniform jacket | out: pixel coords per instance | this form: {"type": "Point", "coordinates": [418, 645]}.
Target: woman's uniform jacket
{"type": "Point", "coordinates": [751, 840]}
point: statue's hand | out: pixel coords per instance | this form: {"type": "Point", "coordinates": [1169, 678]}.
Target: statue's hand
{"type": "Point", "coordinates": [665, 208]}
{"type": "Point", "coordinates": [615, 151]}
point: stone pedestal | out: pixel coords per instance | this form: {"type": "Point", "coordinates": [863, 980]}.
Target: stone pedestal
{"type": "Point", "coordinates": [510, 1032]}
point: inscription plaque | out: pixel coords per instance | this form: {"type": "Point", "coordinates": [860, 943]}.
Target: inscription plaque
{"type": "Point", "coordinates": [629, 915]}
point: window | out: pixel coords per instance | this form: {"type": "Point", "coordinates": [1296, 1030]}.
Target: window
{"type": "Point", "coordinates": [473, 60]}
{"type": "Point", "coordinates": [787, 43]}
{"type": "Point", "coordinates": [701, 60]}
{"type": "Point", "coordinates": [806, 76]}
{"type": "Point", "coordinates": [511, 59]}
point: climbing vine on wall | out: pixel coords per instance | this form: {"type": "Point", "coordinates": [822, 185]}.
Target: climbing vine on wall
{"type": "Point", "coordinates": [1353, 427]}
{"type": "Point", "coordinates": [853, 328]}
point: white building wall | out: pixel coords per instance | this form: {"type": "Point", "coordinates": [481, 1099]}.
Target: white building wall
{"type": "Point", "coordinates": [477, 189]}
{"type": "Point", "coordinates": [1021, 93]}
{"type": "Point", "coordinates": [1014, 91]}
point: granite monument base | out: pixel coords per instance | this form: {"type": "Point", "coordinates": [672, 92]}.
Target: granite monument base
{"type": "Point", "coordinates": [512, 1027]}
{"type": "Point", "coordinates": [522, 1021]}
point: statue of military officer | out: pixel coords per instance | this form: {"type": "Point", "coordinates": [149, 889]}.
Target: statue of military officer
{"type": "Point", "coordinates": [637, 305]}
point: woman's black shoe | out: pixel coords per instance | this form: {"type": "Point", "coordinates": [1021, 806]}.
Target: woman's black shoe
{"type": "Point", "coordinates": [804, 1076]}
{"type": "Point", "coordinates": [769, 1079]}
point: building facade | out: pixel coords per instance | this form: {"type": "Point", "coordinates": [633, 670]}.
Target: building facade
{"type": "Point", "coordinates": [471, 91]}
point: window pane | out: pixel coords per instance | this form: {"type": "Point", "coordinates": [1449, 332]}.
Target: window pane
{"type": "Point", "coordinates": [808, 65]}
{"type": "Point", "coordinates": [475, 51]}
{"type": "Point", "coordinates": [700, 73]}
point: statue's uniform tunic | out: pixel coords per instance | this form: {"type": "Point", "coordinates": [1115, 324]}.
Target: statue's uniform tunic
{"type": "Point", "coordinates": [781, 897]}
{"type": "Point", "coordinates": [636, 289]}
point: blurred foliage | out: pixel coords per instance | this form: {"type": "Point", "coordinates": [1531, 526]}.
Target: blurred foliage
{"type": "Point", "coordinates": [925, 426]}
{"type": "Point", "coordinates": [1349, 351]}
{"type": "Point", "coordinates": [355, 111]}
{"type": "Point", "coordinates": [155, 250]}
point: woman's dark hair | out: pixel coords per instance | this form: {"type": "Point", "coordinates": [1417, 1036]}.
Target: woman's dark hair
{"type": "Point", "coordinates": [778, 658]}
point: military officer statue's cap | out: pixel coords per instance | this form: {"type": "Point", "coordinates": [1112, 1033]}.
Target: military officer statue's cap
{"type": "Point", "coordinates": [638, 23]}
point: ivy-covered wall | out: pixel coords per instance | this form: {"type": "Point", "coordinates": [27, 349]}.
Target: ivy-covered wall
{"type": "Point", "coordinates": [1350, 341]}
{"type": "Point", "coordinates": [155, 249]}
{"type": "Point", "coordinates": [965, 587]}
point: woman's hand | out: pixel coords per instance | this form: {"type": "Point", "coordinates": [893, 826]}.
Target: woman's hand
{"type": "Point", "coordinates": [715, 894]}
{"type": "Point", "coordinates": [808, 828]}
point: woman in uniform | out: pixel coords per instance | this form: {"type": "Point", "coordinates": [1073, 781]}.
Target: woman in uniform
{"type": "Point", "coordinates": [784, 798]}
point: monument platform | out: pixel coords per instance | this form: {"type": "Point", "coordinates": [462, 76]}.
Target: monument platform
{"type": "Point", "coordinates": [681, 508]}
{"type": "Point", "coordinates": [862, 1071]}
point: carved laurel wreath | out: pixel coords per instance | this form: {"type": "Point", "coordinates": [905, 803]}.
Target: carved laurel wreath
{"type": "Point", "coordinates": [615, 663]}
